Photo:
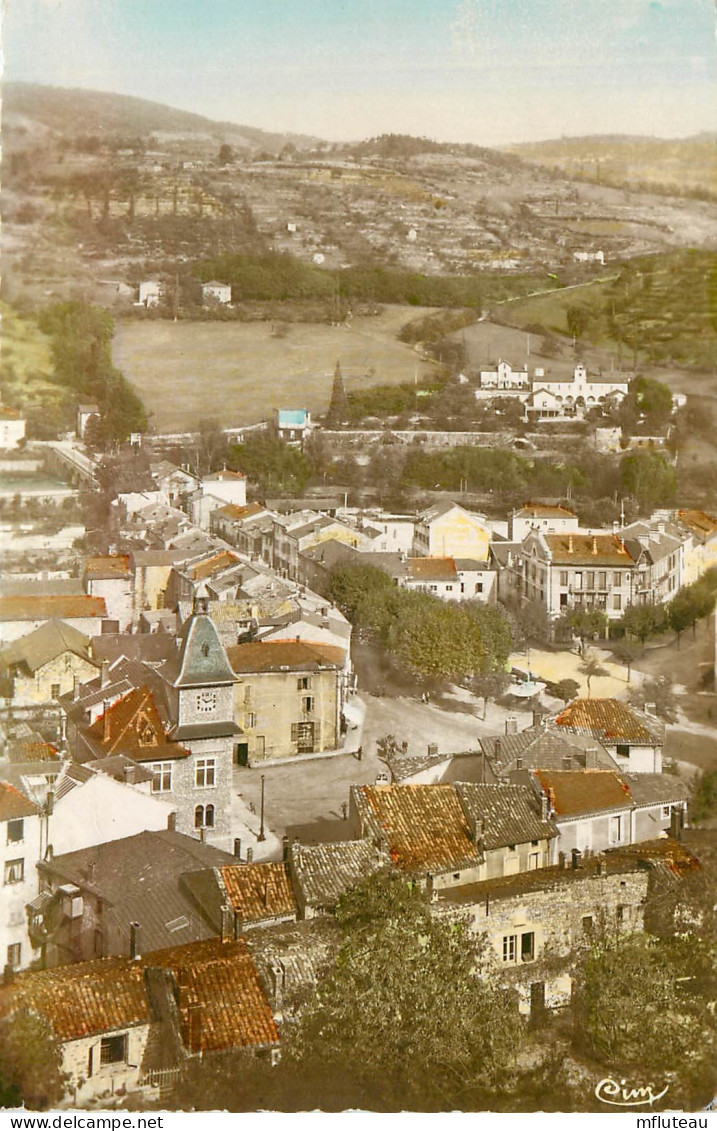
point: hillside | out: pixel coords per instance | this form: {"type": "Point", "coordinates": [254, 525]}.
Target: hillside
{"type": "Point", "coordinates": [71, 113]}
{"type": "Point", "coordinates": [687, 164]}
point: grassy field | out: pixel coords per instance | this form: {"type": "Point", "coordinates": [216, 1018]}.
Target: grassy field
{"type": "Point", "coordinates": [238, 371]}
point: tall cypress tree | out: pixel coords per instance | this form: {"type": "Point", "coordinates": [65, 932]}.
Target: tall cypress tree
{"type": "Point", "coordinates": [339, 403]}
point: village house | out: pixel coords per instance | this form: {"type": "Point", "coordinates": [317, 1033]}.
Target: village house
{"type": "Point", "coordinates": [110, 576]}
{"type": "Point", "coordinates": [253, 895]}
{"type": "Point", "coordinates": [595, 810]}
{"type": "Point", "coordinates": [540, 516]}
{"type": "Point", "coordinates": [294, 535]}
{"type": "Point", "coordinates": [42, 666]}
{"type": "Point", "coordinates": [216, 293]}
{"type": "Point", "coordinates": [289, 699]}
{"type": "Point", "coordinates": [127, 1024]}
{"type": "Point", "coordinates": [451, 579]}
{"type": "Point", "coordinates": [175, 483]}
{"type": "Point", "coordinates": [700, 548]}
{"type": "Point", "coordinates": [541, 747]}
{"type": "Point", "coordinates": [633, 738]}
{"type": "Point", "coordinates": [102, 900]}
{"type": "Point", "coordinates": [291, 958]}
{"type": "Point", "coordinates": [152, 570]}
{"type": "Point", "coordinates": [448, 530]}
{"type": "Point", "coordinates": [321, 873]}
{"type": "Point", "coordinates": [216, 490]}
{"type": "Point", "coordinates": [85, 413]}
{"type": "Point", "coordinates": [20, 849]}
{"type": "Point", "coordinates": [657, 548]}
{"type": "Point", "coordinates": [292, 425]}
{"type": "Point", "coordinates": [576, 571]}
{"type": "Point", "coordinates": [151, 293]}
{"type": "Point", "coordinates": [21, 615]}
{"type": "Point", "coordinates": [537, 923]}
{"type": "Point", "coordinates": [249, 528]}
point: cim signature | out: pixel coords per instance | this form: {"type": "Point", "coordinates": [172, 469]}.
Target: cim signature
{"type": "Point", "coordinates": [616, 1092]}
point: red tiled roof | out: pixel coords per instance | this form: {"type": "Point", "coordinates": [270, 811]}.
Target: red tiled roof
{"type": "Point", "coordinates": [225, 474]}
{"type": "Point", "coordinates": [108, 994]}
{"type": "Point", "coordinates": [60, 607]}
{"type": "Point", "coordinates": [588, 549]}
{"type": "Point", "coordinates": [425, 825]}
{"type": "Point", "coordinates": [545, 510]}
{"type": "Point", "coordinates": [607, 719]}
{"type": "Point", "coordinates": [584, 791]}
{"type": "Point", "coordinates": [231, 510]}
{"type": "Point", "coordinates": [699, 522]}
{"type": "Point", "coordinates": [14, 804]}
{"type": "Point", "coordinates": [432, 569]}
{"type": "Point", "coordinates": [273, 655]}
{"type": "Point", "coordinates": [135, 728]}
{"type": "Point", "coordinates": [105, 566]}
{"type": "Point", "coordinates": [259, 891]}
{"type": "Point", "coordinates": [219, 562]}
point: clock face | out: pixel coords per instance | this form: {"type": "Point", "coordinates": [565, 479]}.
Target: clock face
{"type": "Point", "coordinates": [206, 701]}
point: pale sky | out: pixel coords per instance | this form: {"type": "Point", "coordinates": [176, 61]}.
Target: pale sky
{"type": "Point", "coordinates": [483, 71]}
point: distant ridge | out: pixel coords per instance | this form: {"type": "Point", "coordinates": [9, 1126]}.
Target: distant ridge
{"type": "Point", "coordinates": [70, 111]}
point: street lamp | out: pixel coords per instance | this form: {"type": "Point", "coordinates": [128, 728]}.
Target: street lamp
{"type": "Point", "coordinates": [261, 824]}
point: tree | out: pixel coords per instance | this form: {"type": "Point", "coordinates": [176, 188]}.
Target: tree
{"type": "Point", "coordinates": [626, 652]}
{"type": "Point", "coordinates": [401, 1016]}
{"type": "Point", "coordinates": [30, 1062]}
{"type": "Point", "coordinates": [490, 686]}
{"type": "Point", "coordinates": [226, 154]}
{"type": "Point", "coordinates": [566, 689]}
{"type": "Point", "coordinates": [587, 623]}
{"type": "Point", "coordinates": [639, 1006]}
{"type": "Point", "coordinates": [339, 404]}
{"type": "Point", "coordinates": [650, 477]}
{"type": "Point", "coordinates": [591, 667]}
{"type": "Point", "coordinates": [531, 621]}
{"type": "Point", "coordinates": [212, 447]}
{"type": "Point", "coordinates": [578, 319]}
{"type": "Point", "coordinates": [644, 621]}
{"type": "Point", "coordinates": [659, 695]}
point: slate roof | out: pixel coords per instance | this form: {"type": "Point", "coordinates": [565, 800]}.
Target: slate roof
{"type": "Point", "coordinates": [275, 655]}
{"type": "Point", "coordinates": [588, 549]}
{"type": "Point", "coordinates": [14, 804]}
{"type": "Point", "coordinates": [323, 872]}
{"type": "Point", "coordinates": [510, 813]}
{"type": "Point", "coordinates": [108, 566]}
{"type": "Point", "coordinates": [299, 952]}
{"type": "Point", "coordinates": [424, 826]}
{"type": "Point", "coordinates": [110, 994]}
{"type": "Point", "coordinates": [656, 789]}
{"type": "Point", "coordinates": [46, 643]}
{"type": "Point", "coordinates": [611, 721]}
{"type": "Point", "coordinates": [51, 607]}
{"type": "Point", "coordinates": [138, 879]}
{"type": "Point", "coordinates": [577, 793]}
{"type": "Point", "coordinates": [259, 891]}
{"type": "Point", "coordinates": [144, 647]}
{"type": "Point", "coordinates": [115, 766]}
{"type": "Point", "coordinates": [543, 748]}
{"type": "Point", "coordinates": [201, 659]}
{"type": "Point", "coordinates": [660, 544]}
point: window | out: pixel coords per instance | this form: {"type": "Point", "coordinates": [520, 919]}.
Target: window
{"type": "Point", "coordinates": [602, 581]}
{"type": "Point", "coordinates": [666, 811]}
{"type": "Point", "coordinates": [303, 735]}
{"type": "Point", "coordinates": [54, 691]}
{"type": "Point", "coordinates": [308, 703]}
{"type": "Point", "coordinates": [250, 721]}
{"type": "Point", "coordinates": [113, 1050]}
{"type": "Point", "coordinates": [449, 588]}
{"type": "Point", "coordinates": [510, 948]}
{"type": "Point", "coordinates": [14, 871]}
{"type": "Point", "coordinates": [617, 579]}
{"type": "Point", "coordinates": [587, 924]}
{"type": "Point", "coordinates": [615, 829]}
{"type": "Point", "coordinates": [527, 946]}
{"type": "Point", "coordinates": [563, 577]}
{"type": "Point", "coordinates": [511, 848]}
{"type": "Point", "coordinates": [590, 583]}
{"type": "Point", "coordinates": [303, 683]}
{"type": "Point", "coordinates": [623, 749]}
{"type": "Point", "coordinates": [16, 830]}
{"type": "Point", "coordinates": [617, 601]}
{"type": "Point", "coordinates": [14, 955]}
{"type": "Point", "coordinates": [578, 580]}
{"type": "Point", "coordinates": [204, 817]}
{"type": "Point", "coordinates": [205, 772]}
{"type": "Point", "coordinates": [162, 781]}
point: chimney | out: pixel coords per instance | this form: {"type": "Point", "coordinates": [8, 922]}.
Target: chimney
{"type": "Point", "coordinates": [594, 547]}
{"type": "Point", "coordinates": [537, 716]}
{"type": "Point", "coordinates": [677, 822]}
{"type": "Point", "coordinates": [106, 721]}
{"type": "Point", "coordinates": [575, 858]}
{"type": "Point", "coordinates": [511, 725]}
{"type": "Point", "coordinates": [75, 687]}
{"type": "Point", "coordinates": [237, 847]}
{"type": "Point", "coordinates": [227, 921]}
{"type": "Point", "coordinates": [250, 855]}
{"type": "Point", "coordinates": [567, 761]}
{"type": "Point", "coordinates": [478, 832]}
{"type": "Point", "coordinates": [105, 673]}
{"type": "Point", "coordinates": [519, 762]}
{"type": "Point", "coordinates": [285, 848]}
{"type": "Point", "coordinates": [432, 749]}
{"type": "Point", "coordinates": [91, 872]}
{"type": "Point", "coordinates": [591, 758]}
{"type": "Point", "coordinates": [130, 773]}
{"type": "Point", "coordinates": [50, 804]}
{"type": "Point", "coordinates": [544, 807]}
{"type": "Point", "coordinates": [551, 798]}
{"type": "Point", "coordinates": [651, 709]}
{"type": "Point", "coordinates": [497, 749]}
{"type": "Point", "coordinates": [135, 938]}
{"type": "Point", "coordinates": [277, 985]}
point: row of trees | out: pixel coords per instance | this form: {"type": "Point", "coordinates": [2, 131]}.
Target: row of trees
{"type": "Point", "coordinates": [81, 346]}
{"type": "Point", "coordinates": [424, 634]}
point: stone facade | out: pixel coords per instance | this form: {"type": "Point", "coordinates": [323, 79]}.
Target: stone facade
{"type": "Point", "coordinates": [286, 714]}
